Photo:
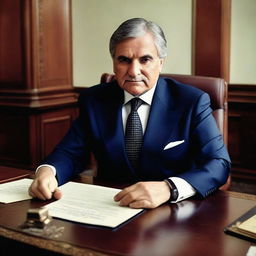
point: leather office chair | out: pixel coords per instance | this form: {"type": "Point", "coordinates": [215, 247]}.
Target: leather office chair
{"type": "Point", "coordinates": [218, 92]}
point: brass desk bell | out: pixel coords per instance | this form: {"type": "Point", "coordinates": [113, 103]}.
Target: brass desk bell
{"type": "Point", "coordinates": [39, 223]}
{"type": "Point", "coordinates": [38, 218]}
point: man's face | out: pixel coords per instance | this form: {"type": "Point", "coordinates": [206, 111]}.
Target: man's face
{"type": "Point", "coordinates": [136, 64]}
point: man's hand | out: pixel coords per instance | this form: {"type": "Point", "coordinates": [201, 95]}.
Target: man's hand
{"type": "Point", "coordinates": [45, 185]}
{"type": "Point", "coordinates": [144, 195]}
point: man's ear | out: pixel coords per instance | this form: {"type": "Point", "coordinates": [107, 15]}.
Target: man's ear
{"type": "Point", "coordinates": [113, 65]}
{"type": "Point", "coordinates": [161, 64]}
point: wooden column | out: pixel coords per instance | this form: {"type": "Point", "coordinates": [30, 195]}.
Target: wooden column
{"type": "Point", "coordinates": [37, 98]}
{"type": "Point", "coordinates": [211, 57]}
{"type": "Point", "coordinates": [211, 53]}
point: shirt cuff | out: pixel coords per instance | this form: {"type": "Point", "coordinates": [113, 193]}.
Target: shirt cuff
{"type": "Point", "coordinates": [47, 165]}
{"type": "Point", "coordinates": [184, 188]}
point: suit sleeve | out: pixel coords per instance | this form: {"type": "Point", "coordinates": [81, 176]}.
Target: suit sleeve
{"type": "Point", "coordinates": [212, 162]}
{"type": "Point", "coordinates": [72, 154]}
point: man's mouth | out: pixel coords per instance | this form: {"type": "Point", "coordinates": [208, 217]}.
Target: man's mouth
{"type": "Point", "coordinates": [133, 81]}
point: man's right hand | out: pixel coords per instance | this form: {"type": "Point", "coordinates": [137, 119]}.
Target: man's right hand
{"type": "Point", "coordinates": [45, 185]}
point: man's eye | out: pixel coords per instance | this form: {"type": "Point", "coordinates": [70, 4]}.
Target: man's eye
{"type": "Point", "coordinates": [123, 59]}
{"type": "Point", "coordinates": [145, 59]}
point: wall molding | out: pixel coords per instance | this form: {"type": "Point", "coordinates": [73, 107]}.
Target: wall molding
{"type": "Point", "coordinates": [242, 93]}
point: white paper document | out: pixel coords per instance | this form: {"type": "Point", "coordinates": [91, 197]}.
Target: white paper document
{"type": "Point", "coordinates": [90, 204]}
{"type": "Point", "coordinates": [251, 251]}
{"type": "Point", "coordinates": [15, 191]}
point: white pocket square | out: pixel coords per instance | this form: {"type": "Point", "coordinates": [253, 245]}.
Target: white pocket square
{"type": "Point", "coordinates": [173, 144]}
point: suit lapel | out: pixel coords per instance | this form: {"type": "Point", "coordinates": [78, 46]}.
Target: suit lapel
{"type": "Point", "coordinates": [109, 112]}
{"type": "Point", "coordinates": [162, 119]}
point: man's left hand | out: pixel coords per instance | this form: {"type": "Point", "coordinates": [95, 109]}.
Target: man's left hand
{"type": "Point", "coordinates": [144, 194]}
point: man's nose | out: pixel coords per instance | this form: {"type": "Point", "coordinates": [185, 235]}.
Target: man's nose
{"type": "Point", "coordinates": [134, 69]}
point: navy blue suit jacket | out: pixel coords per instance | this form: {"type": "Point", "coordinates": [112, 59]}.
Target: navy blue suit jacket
{"type": "Point", "coordinates": [178, 112]}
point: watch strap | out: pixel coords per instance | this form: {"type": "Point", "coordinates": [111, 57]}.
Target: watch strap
{"type": "Point", "coordinates": [174, 190]}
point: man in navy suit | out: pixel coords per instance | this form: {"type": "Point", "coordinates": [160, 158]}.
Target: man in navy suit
{"type": "Point", "coordinates": [182, 153]}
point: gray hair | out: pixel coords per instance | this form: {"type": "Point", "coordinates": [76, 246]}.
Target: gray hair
{"type": "Point", "coordinates": [137, 27]}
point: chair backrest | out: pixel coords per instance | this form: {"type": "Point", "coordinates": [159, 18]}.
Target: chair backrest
{"type": "Point", "coordinates": [215, 87]}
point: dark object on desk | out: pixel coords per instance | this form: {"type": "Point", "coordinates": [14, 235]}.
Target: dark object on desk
{"type": "Point", "coordinates": [232, 228]}
{"type": "Point", "coordinates": [39, 223]}
{"type": "Point", "coordinates": [38, 218]}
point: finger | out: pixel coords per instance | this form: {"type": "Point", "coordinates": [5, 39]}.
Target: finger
{"type": "Point", "coordinates": [141, 204]}
{"type": "Point", "coordinates": [34, 192]}
{"type": "Point", "coordinates": [44, 189]}
{"type": "Point", "coordinates": [126, 201]}
{"type": "Point", "coordinates": [122, 193]}
{"type": "Point", "coordinates": [126, 191]}
{"type": "Point", "coordinates": [57, 194]}
{"type": "Point", "coordinates": [30, 192]}
{"type": "Point", "coordinates": [132, 196]}
{"type": "Point", "coordinates": [40, 189]}
{"type": "Point", "coordinates": [52, 186]}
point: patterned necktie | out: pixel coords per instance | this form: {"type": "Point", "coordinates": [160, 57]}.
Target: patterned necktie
{"type": "Point", "coordinates": [134, 133]}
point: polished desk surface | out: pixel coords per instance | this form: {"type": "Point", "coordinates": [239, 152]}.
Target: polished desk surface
{"type": "Point", "coordinates": [191, 227]}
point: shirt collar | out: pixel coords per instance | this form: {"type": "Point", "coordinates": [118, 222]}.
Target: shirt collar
{"type": "Point", "coordinates": [146, 97]}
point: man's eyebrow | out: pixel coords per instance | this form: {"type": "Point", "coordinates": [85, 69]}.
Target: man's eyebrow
{"type": "Point", "coordinates": [127, 59]}
{"type": "Point", "coordinates": [122, 57]}
{"type": "Point", "coordinates": [148, 56]}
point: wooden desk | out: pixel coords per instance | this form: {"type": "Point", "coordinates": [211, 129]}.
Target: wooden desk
{"type": "Point", "coordinates": [11, 173]}
{"type": "Point", "coordinates": [192, 227]}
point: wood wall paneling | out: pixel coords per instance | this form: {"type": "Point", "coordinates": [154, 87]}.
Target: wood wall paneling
{"type": "Point", "coordinates": [211, 57]}
{"type": "Point", "coordinates": [234, 131]}
{"type": "Point", "coordinates": [37, 98]}
{"type": "Point", "coordinates": [54, 126]}
{"type": "Point", "coordinates": [36, 56]}
{"type": "Point", "coordinates": [54, 43]}
{"type": "Point", "coordinates": [211, 44]}
{"type": "Point", "coordinates": [28, 136]}
{"type": "Point", "coordinates": [13, 138]}
{"type": "Point", "coordinates": [248, 128]}
{"type": "Point", "coordinates": [11, 57]}
{"type": "Point", "coordinates": [242, 127]}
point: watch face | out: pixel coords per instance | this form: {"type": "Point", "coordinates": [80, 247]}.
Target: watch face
{"type": "Point", "coordinates": [175, 194]}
